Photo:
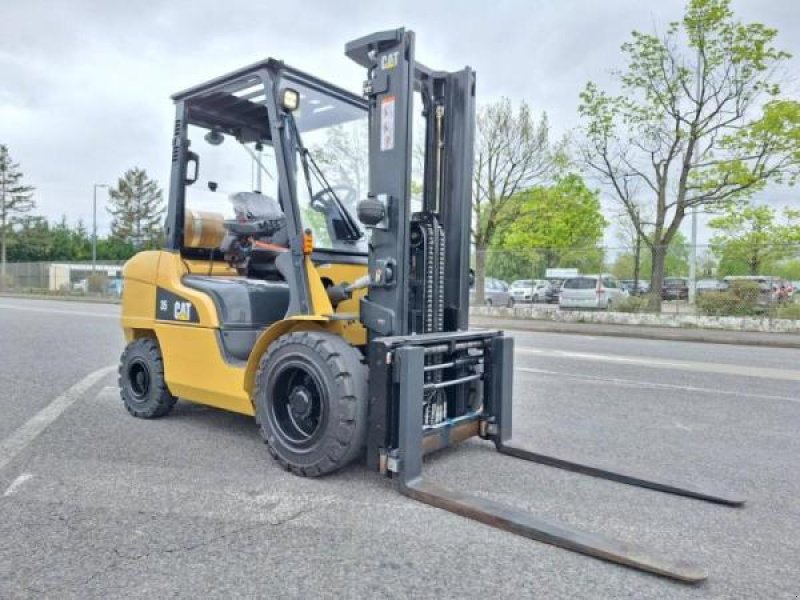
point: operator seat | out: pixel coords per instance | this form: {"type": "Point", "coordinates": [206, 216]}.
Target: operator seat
{"type": "Point", "coordinates": [246, 305]}
{"type": "Point", "coordinates": [258, 218]}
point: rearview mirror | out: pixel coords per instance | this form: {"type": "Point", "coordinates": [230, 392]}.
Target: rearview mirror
{"type": "Point", "coordinates": [191, 157]}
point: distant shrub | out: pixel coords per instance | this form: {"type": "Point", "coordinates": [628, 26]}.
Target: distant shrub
{"type": "Point", "coordinates": [97, 283]}
{"type": "Point", "coordinates": [790, 311]}
{"type": "Point", "coordinates": [739, 300]}
{"type": "Point", "coordinates": [747, 292]}
{"type": "Point", "coordinates": [632, 304]}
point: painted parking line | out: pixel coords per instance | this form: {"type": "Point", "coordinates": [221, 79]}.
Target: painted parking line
{"type": "Point", "coordinates": [682, 365]}
{"type": "Point", "coordinates": [31, 429]}
{"type": "Point", "coordinates": [17, 483]}
{"type": "Point", "coordinates": [652, 385]}
{"type": "Point", "coordinates": [57, 311]}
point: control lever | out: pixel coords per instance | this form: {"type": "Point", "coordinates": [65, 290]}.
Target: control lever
{"type": "Point", "coordinates": [344, 291]}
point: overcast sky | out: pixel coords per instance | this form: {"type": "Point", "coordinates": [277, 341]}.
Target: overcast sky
{"type": "Point", "coordinates": [85, 85]}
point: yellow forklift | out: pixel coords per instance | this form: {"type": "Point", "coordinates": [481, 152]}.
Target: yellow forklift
{"type": "Point", "coordinates": [301, 284]}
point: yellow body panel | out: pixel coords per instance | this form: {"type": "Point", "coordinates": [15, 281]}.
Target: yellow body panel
{"type": "Point", "coordinates": [195, 369]}
{"type": "Point", "coordinates": [273, 332]}
{"type": "Point", "coordinates": [171, 269]}
{"type": "Point", "coordinates": [352, 330]}
{"type": "Point", "coordinates": [194, 366]}
{"type": "Point", "coordinates": [139, 293]}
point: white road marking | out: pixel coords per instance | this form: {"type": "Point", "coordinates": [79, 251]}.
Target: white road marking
{"type": "Point", "coordinates": [28, 432]}
{"type": "Point", "coordinates": [683, 365]}
{"type": "Point", "coordinates": [57, 311]}
{"type": "Point", "coordinates": [650, 384]}
{"type": "Point", "coordinates": [17, 483]}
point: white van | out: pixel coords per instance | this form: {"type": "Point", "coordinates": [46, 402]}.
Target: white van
{"type": "Point", "coordinates": [591, 291]}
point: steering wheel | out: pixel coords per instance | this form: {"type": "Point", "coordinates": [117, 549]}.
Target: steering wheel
{"type": "Point", "coordinates": [321, 201]}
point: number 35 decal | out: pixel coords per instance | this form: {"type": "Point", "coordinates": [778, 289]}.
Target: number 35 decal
{"type": "Point", "coordinates": [171, 307]}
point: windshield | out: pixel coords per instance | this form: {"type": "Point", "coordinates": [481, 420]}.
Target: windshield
{"type": "Point", "coordinates": [227, 168]}
{"type": "Point", "coordinates": [332, 167]}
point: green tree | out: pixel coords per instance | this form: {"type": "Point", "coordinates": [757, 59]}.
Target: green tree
{"type": "Point", "coordinates": [81, 242]}
{"type": "Point", "coordinates": [751, 241]}
{"type": "Point", "coordinates": [510, 265]}
{"type": "Point", "coordinates": [676, 260]}
{"type": "Point", "coordinates": [32, 241]}
{"type": "Point", "coordinates": [137, 208]}
{"type": "Point", "coordinates": [699, 121]}
{"type": "Point", "coordinates": [512, 153]}
{"type": "Point", "coordinates": [790, 269]}
{"type": "Point", "coordinates": [560, 225]}
{"type": "Point", "coordinates": [112, 248]}
{"type": "Point", "coordinates": [16, 199]}
{"type": "Point", "coordinates": [69, 243]}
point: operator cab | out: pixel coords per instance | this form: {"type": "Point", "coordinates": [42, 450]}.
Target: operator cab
{"type": "Point", "coordinates": [267, 161]}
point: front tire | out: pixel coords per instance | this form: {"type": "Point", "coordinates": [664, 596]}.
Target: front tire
{"type": "Point", "coordinates": [141, 380]}
{"type": "Point", "coordinates": [311, 402]}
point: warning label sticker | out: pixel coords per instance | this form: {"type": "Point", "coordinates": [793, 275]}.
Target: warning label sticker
{"type": "Point", "coordinates": [387, 123]}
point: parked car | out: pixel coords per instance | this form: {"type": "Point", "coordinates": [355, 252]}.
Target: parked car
{"type": "Point", "coordinates": [530, 290]}
{"type": "Point", "coordinates": [495, 293]}
{"type": "Point", "coordinates": [590, 291]}
{"type": "Point", "coordinates": [555, 291]}
{"type": "Point", "coordinates": [642, 287]}
{"type": "Point", "coordinates": [703, 286]}
{"type": "Point", "coordinates": [675, 288]}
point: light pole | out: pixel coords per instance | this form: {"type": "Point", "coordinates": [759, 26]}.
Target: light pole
{"type": "Point", "coordinates": [693, 254]}
{"type": "Point", "coordinates": [94, 225]}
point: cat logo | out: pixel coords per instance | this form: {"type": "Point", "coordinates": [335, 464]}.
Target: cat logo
{"type": "Point", "coordinates": [389, 61]}
{"type": "Point", "coordinates": [182, 311]}
{"type": "Point", "coordinates": [171, 307]}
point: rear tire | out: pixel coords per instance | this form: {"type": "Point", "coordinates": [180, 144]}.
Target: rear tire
{"type": "Point", "coordinates": [488, 302]}
{"type": "Point", "coordinates": [311, 402]}
{"type": "Point", "coordinates": [142, 386]}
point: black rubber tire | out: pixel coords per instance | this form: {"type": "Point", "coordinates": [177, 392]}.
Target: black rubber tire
{"type": "Point", "coordinates": [141, 380]}
{"type": "Point", "coordinates": [488, 302]}
{"type": "Point", "coordinates": [336, 367]}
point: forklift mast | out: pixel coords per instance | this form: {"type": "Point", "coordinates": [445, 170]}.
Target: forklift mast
{"type": "Point", "coordinates": [432, 381]}
{"type": "Point", "coordinates": [418, 263]}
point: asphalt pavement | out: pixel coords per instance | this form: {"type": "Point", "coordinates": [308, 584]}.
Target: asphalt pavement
{"type": "Point", "coordinates": [97, 504]}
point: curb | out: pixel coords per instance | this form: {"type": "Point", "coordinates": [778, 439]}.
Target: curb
{"type": "Point", "coordinates": [85, 299]}
{"type": "Point", "coordinates": [708, 336]}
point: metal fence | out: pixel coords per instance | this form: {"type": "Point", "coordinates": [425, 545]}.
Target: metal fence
{"type": "Point", "coordinates": [101, 279]}
{"type": "Point", "coordinates": [761, 281]}
{"type": "Point", "coordinates": [542, 276]}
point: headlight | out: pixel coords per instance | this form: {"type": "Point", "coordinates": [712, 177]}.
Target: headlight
{"type": "Point", "coordinates": [290, 99]}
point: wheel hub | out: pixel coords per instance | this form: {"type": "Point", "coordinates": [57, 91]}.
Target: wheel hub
{"type": "Point", "coordinates": [297, 405]}
{"type": "Point", "coordinates": [300, 402]}
{"type": "Point", "coordinates": [139, 377]}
